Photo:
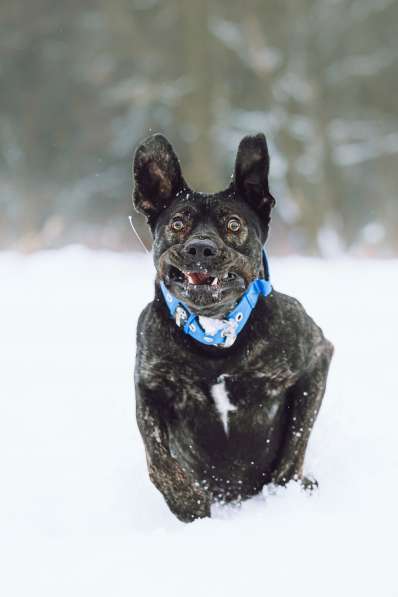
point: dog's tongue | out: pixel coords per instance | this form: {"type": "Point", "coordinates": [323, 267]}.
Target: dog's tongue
{"type": "Point", "coordinates": [197, 277]}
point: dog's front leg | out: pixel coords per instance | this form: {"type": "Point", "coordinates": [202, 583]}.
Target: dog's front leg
{"type": "Point", "coordinates": [185, 498]}
{"type": "Point", "coordinates": [305, 399]}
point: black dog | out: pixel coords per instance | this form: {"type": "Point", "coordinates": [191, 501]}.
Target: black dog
{"type": "Point", "coordinates": [220, 421]}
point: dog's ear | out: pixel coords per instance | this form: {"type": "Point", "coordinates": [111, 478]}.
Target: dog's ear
{"type": "Point", "coordinates": [157, 176]}
{"type": "Point", "coordinates": [251, 174]}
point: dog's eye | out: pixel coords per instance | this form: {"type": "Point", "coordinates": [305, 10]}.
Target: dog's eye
{"type": "Point", "coordinates": [177, 224]}
{"type": "Point", "coordinates": [233, 225]}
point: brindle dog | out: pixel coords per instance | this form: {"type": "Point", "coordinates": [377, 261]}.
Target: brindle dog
{"type": "Point", "coordinates": [220, 423]}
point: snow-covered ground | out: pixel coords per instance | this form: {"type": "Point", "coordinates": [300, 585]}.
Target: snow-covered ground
{"type": "Point", "coordinates": [78, 515]}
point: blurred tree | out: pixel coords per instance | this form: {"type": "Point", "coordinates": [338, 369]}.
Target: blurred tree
{"type": "Point", "coordinates": [81, 84]}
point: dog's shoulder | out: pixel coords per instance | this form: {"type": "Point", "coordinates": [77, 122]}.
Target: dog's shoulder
{"type": "Point", "coordinates": [154, 344]}
{"type": "Point", "coordinates": [143, 317]}
{"type": "Point", "coordinates": [295, 330]}
{"type": "Point", "coordinates": [291, 312]}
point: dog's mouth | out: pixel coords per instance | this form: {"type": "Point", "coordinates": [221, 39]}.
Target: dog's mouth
{"type": "Point", "coordinates": [190, 280]}
{"type": "Point", "coordinates": [210, 291]}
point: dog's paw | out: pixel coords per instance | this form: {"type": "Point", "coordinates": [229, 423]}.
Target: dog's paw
{"type": "Point", "coordinates": [186, 498]}
{"type": "Point", "coordinates": [192, 504]}
{"type": "Point", "coordinates": [286, 472]}
{"type": "Point", "coordinates": [309, 484]}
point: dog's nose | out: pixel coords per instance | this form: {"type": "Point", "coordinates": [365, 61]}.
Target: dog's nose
{"type": "Point", "coordinates": [204, 249]}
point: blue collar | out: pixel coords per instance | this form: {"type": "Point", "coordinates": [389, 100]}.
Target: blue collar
{"type": "Point", "coordinates": [225, 332]}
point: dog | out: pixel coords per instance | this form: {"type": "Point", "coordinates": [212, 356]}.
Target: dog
{"type": "Point", "coordinates": [230, 374]}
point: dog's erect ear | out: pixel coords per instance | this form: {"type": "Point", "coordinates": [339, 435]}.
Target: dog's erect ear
{"type": "Point", "coordinates": [251, 174]}
{"type": "Point", "coordinates": [157, 176]}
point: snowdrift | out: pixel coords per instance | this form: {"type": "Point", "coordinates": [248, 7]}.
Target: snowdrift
{"type": "Point", "coordinates": [78, 514]}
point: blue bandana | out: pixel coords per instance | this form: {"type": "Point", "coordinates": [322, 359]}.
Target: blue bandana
{"type": "Point", "coordinates": [222, 333]}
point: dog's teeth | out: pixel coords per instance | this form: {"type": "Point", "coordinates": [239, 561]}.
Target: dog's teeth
{"type": "Point", "coordinates": [215, 282]}
{"type": "Point", "coordinates": [190, 279]}
{"type": "Point", "coordinates": [225, 276]}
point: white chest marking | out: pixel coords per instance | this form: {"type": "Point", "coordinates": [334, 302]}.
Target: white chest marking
{"type": "Point", "coordinates": [221, 400]}
{"type": "Point", "coordinates": [273, 410]}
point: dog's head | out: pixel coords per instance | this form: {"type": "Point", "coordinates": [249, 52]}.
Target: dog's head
{"type": "Point", "coordinates": [207, 248]}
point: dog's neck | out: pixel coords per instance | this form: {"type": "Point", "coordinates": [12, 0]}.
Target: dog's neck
{"type": "Point", "coordinates": [213, 331]}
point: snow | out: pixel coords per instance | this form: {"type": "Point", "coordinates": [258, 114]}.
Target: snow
{"type": "Point", "coordinates": [211, 326]}
{"type": "Point", "coordinates": [78, 514]}
{"type": "Point", "coordinates": [221, 399]}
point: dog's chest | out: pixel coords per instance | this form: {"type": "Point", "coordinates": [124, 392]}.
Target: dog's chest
{"type": "Point", "coordinates": [227, 403]}
{"type": "Point", "coordinates": [228, 419]}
